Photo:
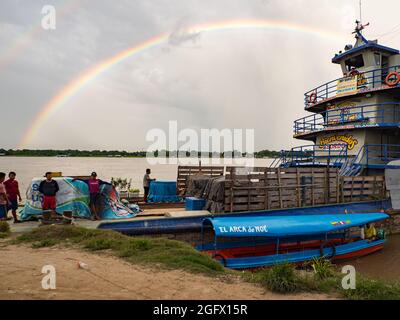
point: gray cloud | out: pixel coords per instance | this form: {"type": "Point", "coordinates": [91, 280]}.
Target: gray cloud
{"type": "Point", "coordinates": [181, 35]}
{"type": "Point", "coordinates": [240, 78]}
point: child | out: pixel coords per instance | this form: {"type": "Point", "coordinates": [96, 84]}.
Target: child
{"type": "Point", "coordinates": [12, 191]}
{"type": "Point", "coordinates": [3, 198]}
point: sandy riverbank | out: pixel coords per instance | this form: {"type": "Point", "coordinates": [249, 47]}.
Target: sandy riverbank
{"type": "Point", "coordinates": [111, 278]}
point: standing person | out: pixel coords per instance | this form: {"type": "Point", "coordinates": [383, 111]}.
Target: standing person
{"type": "Point", "coordinates": [13, 194]}
{"type": "Point", "coordinates": [49, 189]}
{"type": "Point", "coordinates": [3, 198]}
{"type": "Point", "coordinates": [146, 184]}
{"type": "Point", "coordinates": [94, 191]}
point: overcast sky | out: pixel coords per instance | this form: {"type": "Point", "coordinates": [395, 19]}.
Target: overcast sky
{"type": "Point", "coordinates": [227, 79]}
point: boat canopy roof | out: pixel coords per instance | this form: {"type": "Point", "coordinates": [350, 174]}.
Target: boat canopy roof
{"type": "Point", "coordinates": [369, 45]}
{"type": "Point", "coordinates": [288, 226]}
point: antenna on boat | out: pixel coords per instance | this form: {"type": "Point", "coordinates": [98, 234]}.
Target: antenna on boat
{"type": "Point", "coordinates": [359, 26]}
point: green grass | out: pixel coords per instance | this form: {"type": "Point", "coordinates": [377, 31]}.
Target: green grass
{"type": "Point", "coordinates": [170, 254]}
{"type": "Point", "coordinates": [325, 278]}
{"type": "Point", "coordinates": [323, 268]}
{"type": "Point", "coordinates": [280, 278]}
{"type": "Point", "coordinates": [155, 251]}
{"type": "Point", "coordinates": [368, 289]}
{"type": "Point", "coordinates": [4, 227]}
{"type": "Point", "coordinates": [4, 235]}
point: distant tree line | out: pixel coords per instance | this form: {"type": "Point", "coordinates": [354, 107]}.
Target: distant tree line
{"type": "Point", "coordinates": [133, 154]}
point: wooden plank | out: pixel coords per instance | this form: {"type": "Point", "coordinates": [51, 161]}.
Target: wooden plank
{"type": "Point", "coordinates": [298, 189]}
{"type": "Point", "coordinates": [326, 187]}
{"type": "Point", "coordinates": [312, 187]}
{"type": "Point", "coordinates": [361, 192]}
{"type": "Point", "coordinates": [280, 191]}
{"type": "Point", "coordinates": [366, 178]}
{"type": "Point", "coordinates": [248, 193]}
{"type": "Point", "coordinates": [232, 174]}
{"type": "Point", "coordinates": [266, 203]}
{"type": "Point", "coordinates": [337, 187]}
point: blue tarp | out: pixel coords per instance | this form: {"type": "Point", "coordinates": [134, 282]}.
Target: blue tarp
{"type": "Point", "coordinates": [74, 196]}
{"type": "Point", "coordinates": [163, 191]}
{"type": "Point", "coordinates": [287, 226]}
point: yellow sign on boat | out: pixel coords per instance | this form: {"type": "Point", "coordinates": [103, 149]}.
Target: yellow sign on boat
{"type": "Point", "coordinates": [347, 85]}
{"type": "Point", "coordinates": [348, 139]}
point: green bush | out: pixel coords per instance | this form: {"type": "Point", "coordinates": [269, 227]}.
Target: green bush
{"type": "Point", "coordinates": [97, 244]}
{"type": "Point", "coordinates": [4, 227]}
{"type": "Point", "coordinates": [323, 268]}
{"type": "Point", "coordinates": [4, 235]}
{"type": "Point", "coordinates": [280, 278]}
{"type": "Point", "coordinates": [44, 243]}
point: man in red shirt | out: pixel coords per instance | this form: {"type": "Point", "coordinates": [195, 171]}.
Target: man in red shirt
{"type": "Point", "coordinates": [13, 194]}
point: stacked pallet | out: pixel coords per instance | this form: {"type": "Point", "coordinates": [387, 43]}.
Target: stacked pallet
{"type": "Point", "coordinates": [362, 188]}
{"type": "Point", "coordinates": [261, 188]}
{"type": "Point", "coordinates": [184, 172]}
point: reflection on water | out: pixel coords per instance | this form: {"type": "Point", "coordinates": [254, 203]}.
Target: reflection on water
{"type": "Point", "coordinates": [384, 264]}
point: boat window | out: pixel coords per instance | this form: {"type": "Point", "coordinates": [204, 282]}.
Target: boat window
{"type": "Point", "coordinates": [355, 62]}
{"type": "Point", "coordinates": [377, 57]}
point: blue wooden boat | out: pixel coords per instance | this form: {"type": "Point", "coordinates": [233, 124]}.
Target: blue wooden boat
{"type": "Point", "coordinates": [253, 242]}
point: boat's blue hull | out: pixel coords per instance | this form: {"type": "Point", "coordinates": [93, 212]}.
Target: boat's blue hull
{"type": "Point", "coordinates": [193, 224]}
{"type": "Point", "coordinates": [344, 251]}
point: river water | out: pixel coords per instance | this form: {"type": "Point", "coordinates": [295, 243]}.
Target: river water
{"type": "Point", "coordinates": [106, 168]}
{"type": "Point", "coordinates": [384, 265]}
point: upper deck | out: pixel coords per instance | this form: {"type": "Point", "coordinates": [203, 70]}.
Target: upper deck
{"type": "Point", "coordinates": [376, 115]}
{"type": "Point", "coordinates": [366, 67]}
{"type": "Point", "coordinates": [365, 82]}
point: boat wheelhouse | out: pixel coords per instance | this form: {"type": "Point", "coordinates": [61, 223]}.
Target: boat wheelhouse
{"type": "Point", "coordinates": [355, 120]}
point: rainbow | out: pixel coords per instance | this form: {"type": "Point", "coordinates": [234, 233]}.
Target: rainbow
{"type": "Point", "coordinates": [77, 84]}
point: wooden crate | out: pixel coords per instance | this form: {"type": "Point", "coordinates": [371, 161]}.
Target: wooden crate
{"type": "Point", "coordinates": [261, 188]}
{"type": "Point", "coordinates": [184, 172]}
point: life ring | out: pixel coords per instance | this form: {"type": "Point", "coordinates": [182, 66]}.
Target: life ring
{"type": "Point", "coordinates": [327, 244]}
{"type": "Point", "coordinates": [220, 258]}
{"type": "Point", "coordinates": [390, 82]}
{"type": "Point", "coordinates": [313, 97]}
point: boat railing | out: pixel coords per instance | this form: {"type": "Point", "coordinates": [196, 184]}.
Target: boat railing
{"type": "Point", "coordinates": [313, 155]}
{"type": "Point", "coordinates": [368, 80]}
{"type": "Point", "coordinates": [380, 154]}
{"type": "Point", "coordinates": [380, 114]}
{"type": "Point", "coordinates": [373, 156]}
{"type": "Point", "coordinates": [276, 162]}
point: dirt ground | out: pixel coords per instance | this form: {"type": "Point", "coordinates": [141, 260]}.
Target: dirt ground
{"type": "Point", "coordinates": [112, 278]}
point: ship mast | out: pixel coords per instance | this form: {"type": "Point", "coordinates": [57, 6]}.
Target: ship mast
{"type": "Point", "coordinates": [360, 27]}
